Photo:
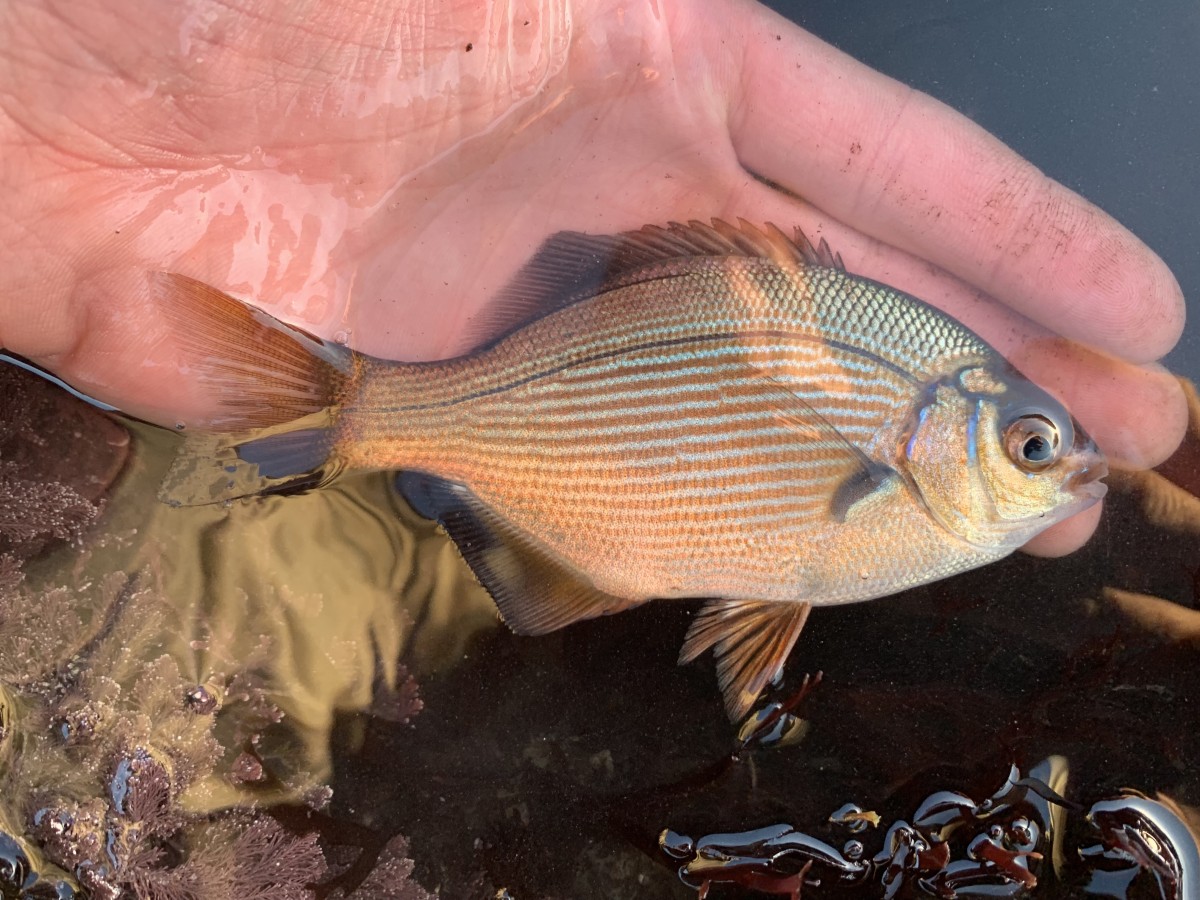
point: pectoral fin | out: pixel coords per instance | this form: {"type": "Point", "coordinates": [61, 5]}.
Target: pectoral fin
{"type": "Point", "coordinates": [848, 475]}
{"type": "Point", "coordinates": [535, 590]}
{"type": "Point", "coordinates": [752, 639]}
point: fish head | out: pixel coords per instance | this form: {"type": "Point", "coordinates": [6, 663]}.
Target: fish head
{"type": "Point", "coordinates": [996, 460]}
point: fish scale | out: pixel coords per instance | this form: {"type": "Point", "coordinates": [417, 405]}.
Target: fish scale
{"type": "Point", "coordinates": [698, 410]}
{"type": "Point", "coordinates": [555, 450]}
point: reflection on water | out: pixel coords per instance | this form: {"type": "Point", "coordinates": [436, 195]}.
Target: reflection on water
{"type": "Point", "coordinates": [168, 670]}
{"type": "Point", "coordinates": [158, 683]}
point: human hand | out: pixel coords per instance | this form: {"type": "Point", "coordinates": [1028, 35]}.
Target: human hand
{"type": "Point", "coordinates": [380, 170]}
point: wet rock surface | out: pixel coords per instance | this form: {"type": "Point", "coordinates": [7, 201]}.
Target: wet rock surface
{"type": "Point", "coordinates": [58, 459]}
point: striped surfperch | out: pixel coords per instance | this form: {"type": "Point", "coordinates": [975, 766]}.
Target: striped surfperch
{"type": "Point", "coordinates": [691, 411]}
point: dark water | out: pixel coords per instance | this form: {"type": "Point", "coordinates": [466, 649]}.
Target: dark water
{"type": "Point", "coordinates": [548, 767]}
{"type": "Point", "coordinates": [1102, 96]}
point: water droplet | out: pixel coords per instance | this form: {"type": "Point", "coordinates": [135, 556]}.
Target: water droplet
{"type": "Point", "coordinates": [341, 337]}
{"type": "Point", "coordinates": [852, 850]}
{"type": "Point", "coordinates": [179, 426]}
{"type": "Point", "coordinates": [676, 845]}
{"type": "Point", "coordinates": [14, 866]}
{"type": "Point", "coordinates": [852, 817]}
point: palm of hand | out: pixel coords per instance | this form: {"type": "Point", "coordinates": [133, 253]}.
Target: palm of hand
{"type": "Point", "coordinates": [381, 172]}
{"type": "Point", "coordinates": [294, 161]}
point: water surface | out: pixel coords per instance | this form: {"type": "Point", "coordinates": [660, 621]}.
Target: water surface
{"type": "Point", "coordinates": [548, 767]}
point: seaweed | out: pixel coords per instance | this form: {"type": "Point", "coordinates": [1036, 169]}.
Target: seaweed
{"type": "Point", "coordinates": [117, 761]}
{"type": "Point", "coordinates": [117, 749]}
{"type": "Point", "coordinates": [390, 879]}
{"type": "Point", "coordinates": [32, 510]}
{"type": "Point", "coordinates": [122, 746]}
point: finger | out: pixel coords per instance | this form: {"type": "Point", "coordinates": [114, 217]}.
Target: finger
{"type": "Point", "coordinates": [1066, 536]}
{"type": "Point", "coordinates": [1137, 414]}
{"type": "Point", "coordinates": [910, 171]}
{"type": "Point", "coordinates": [112, 343]}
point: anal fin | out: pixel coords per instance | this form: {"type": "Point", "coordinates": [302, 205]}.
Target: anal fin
{"type": "Point", "coordinates": [752, 640]}
{"type": "Point", "coordinates": [535, 590]}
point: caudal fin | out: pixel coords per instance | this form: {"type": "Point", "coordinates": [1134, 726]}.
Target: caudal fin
{"type": "Point", "coordinates": [277, 390]}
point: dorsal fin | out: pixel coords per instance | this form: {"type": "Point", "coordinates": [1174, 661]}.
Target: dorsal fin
{"type": "Point", "coordinates": [571, 265]}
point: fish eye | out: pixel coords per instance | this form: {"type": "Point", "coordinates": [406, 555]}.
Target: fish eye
{"type": "Point", "coordinates": [1033, 442]}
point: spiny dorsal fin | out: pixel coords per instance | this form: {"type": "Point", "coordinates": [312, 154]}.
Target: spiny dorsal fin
{"type": "Point", "coordinates": [752, 639]}
{"type": "Point", "coordinates": [572, 265]}
{"type": "Point", "coordinates": [534, 590]}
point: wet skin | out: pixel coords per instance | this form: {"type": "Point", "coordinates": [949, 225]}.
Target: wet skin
{"type": "Point", "coordinates": [376, 175]}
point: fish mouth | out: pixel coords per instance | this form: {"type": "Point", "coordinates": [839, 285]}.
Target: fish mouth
{"type": "Point", "coordinates": [1091, 465]}
{"type": "Point", "coordinates": [1086, 483]}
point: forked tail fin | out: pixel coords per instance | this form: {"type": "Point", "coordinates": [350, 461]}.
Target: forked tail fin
{"type": "Point", "coordinates": [277, 387]}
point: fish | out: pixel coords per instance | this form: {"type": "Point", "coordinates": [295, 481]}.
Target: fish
{"type": "Point", "coordinates": [694, 410]}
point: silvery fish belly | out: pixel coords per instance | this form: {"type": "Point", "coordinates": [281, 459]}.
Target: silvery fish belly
{"type": "Point", "coordinates": [689, 411]}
